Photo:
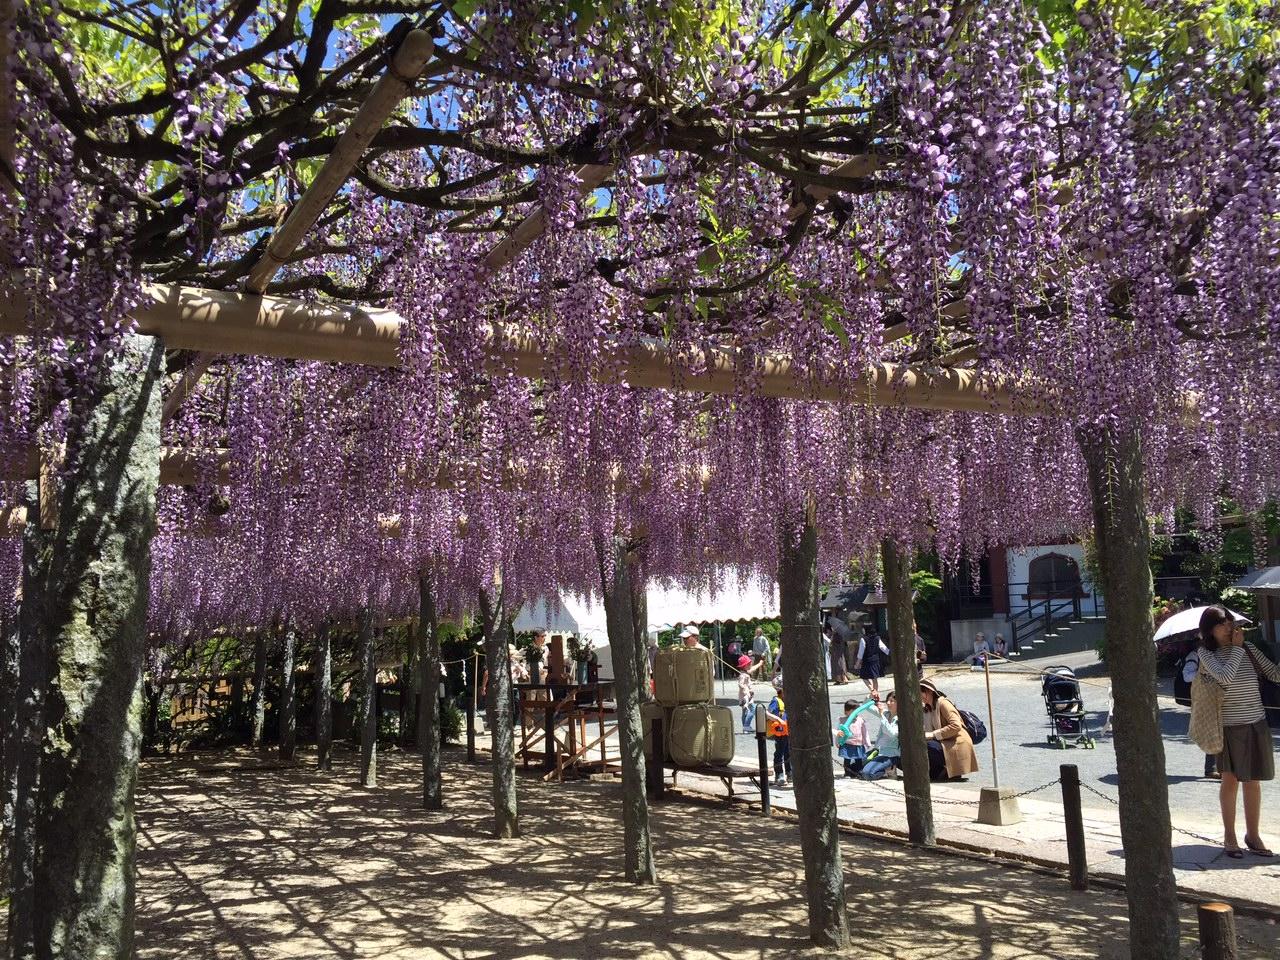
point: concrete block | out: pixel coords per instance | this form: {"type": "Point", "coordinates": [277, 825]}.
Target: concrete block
{"type": "Point", "coordinates": [998, 807]}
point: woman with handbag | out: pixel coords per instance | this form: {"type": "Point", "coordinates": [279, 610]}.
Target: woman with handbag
{"type": "Point", "coordinates": [1246, 756]}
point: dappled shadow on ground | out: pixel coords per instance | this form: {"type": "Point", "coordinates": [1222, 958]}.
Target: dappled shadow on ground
{"type": "Point", "coordinates": [238, 861]}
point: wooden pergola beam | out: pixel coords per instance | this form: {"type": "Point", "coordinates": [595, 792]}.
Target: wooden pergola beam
{"type": "Point", "coordinates": [405, 65]}
{"type": "Point", "coordinates": [239, 323]}
{"type": "Point", "coordinates": [178, 467]}
{"type": "Point", "coordinates": [403, 69]}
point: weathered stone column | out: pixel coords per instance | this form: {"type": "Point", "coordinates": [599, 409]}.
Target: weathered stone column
{"type": "Point", "coordinates": [96, 610]}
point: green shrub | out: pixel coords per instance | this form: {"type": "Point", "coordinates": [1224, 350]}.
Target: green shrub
{"type": "Point", "coordinates": [451, 720]}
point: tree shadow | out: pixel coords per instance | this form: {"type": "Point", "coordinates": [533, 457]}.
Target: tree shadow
{"type": "Point", "coordinates": [258, 863]}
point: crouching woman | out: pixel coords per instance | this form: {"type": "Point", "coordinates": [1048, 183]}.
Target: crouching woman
{"type": "Point", "coordinates": [951, 754]}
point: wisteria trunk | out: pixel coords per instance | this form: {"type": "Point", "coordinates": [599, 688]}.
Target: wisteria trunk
{"type": "Point", "coordinates": [506, 821]}
{"type": "Point", "coordinates": [410, 688]}
{"type": "Point", "coordinates": [288, 693]}
{"type": "Point", "coordinates": [368, 702]}
{"type": "Point", "coordinates": [906, 688]}
{"type": "Point", "coordinates": [324, 698]}
{"type": "Point", "coordinates": [615, 580]}
{"type": "Point", "coordinates": [428, 641]}
{"type": "Point", "coordinates": [809, 721]}
{"type": "Point", "coordinates": [640, 625]}
{"type": "Point", "coordinates": [1123, 538]}
{"type": "Point", "coordinates": [258, 702]}
{"type": "Point", "coordinates": [96, 609]}
{"type": "Point", "coordinates": [25, 737]}
{"type": "Point", "coordinates": [8, 726]}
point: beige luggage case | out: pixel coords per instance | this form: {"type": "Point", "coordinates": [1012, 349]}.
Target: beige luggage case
{"type": "Point", "coordinates": [648, 713]}
{"type": "Point", "coordinates": [683, 675]}
{"type": "Point", "coordinates": [701, 733]}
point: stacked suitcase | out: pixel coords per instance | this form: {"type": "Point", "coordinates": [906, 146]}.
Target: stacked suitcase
{"type": "Point", "coordinates": [696, 732]}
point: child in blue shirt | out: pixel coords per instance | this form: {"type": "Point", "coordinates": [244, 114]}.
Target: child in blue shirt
{"type": "Point", "coordinates": [777, 729]}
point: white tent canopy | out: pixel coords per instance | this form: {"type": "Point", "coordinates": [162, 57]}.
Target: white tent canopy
{"type": "Point", "coordinates": [667, 606]}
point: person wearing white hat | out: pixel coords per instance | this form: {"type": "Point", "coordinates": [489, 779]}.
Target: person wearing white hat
{"type": "Point", "coordinates": [692, 638]}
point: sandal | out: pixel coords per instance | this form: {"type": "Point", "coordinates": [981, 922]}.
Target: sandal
{"type": "Point", "coordinates": [1235, 853]}
{"type": "Point", "coordinates": [1259, 850]}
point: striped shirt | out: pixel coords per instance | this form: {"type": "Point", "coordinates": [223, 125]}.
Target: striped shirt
{"type": "Point", "coordinates": [1242, 702]}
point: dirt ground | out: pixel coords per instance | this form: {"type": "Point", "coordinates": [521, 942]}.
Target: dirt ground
{"type": "Point", "coordinates": [240, 859]}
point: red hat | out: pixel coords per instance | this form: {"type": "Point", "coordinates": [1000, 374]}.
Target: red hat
{"type": "Point", "coordinates": [743, 662]}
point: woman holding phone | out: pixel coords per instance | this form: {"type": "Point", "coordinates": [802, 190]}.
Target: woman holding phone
{"type": "Point", "coordinates": [1247, 756]}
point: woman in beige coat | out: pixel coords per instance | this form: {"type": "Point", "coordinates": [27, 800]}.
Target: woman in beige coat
{"type": "Point", "coordinates": [951, 754]}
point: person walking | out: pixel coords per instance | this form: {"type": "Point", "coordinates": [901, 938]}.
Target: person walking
{"type": "Point", "coordinates": [951, 753]}
{"type": "Point", "coordinates": [747, 692]}
{"type": "Point", "coordinates": [776, 715]}
{"type": "Point", "coordinates": [870, 665]}
{"type": "Point", "coordinates": [842, 630]}
{"type": "Point", "coordinates": [838, 648]}
{"type": "Point", "coordinates": [1247, 756]}
{"type": "Point", "coordinates": [885, 754]}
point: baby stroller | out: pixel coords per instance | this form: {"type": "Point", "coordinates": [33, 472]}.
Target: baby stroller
{"type": "Point", "coordinates": [1062, 702]}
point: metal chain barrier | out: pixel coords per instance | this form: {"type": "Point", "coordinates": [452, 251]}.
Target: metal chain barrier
{"type": "Point", "coordinates": [959, 803]}
{"type": "Point", "coordinates": [1186, 833]}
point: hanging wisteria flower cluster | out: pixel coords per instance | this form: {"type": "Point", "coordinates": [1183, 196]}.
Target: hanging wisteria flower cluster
{"type": "Point", "coordinates": [1024, 195]}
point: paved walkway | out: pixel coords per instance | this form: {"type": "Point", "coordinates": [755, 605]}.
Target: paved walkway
{"type": "Point", "coordinates": [1201, 867]}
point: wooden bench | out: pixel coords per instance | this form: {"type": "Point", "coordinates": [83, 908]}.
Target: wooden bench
{"type": "Point", "coordinates": [727, 773]}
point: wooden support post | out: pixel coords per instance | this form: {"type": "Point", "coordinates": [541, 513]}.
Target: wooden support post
{"type": "Point", "coordinates": [549, 732]}
{"type": "Point", "coordinates": [1077, 863]}
{"type": "Point", "coordinates": [1217, 931]}
{"type": "Point", "coordinates": [471, 727]}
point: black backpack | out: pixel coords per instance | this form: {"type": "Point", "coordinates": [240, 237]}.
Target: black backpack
{"type": "Point", "coordinates": [1182, 689]}
{"type": "Point", "coordinates": [977, 729]}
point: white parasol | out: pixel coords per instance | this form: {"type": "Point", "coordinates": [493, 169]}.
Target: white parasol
{"type": "Point", "coordinates": [1187, 621]}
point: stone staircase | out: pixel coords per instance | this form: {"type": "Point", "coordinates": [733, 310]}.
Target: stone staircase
{"type": "Point", "coordinates": [1070, 636]}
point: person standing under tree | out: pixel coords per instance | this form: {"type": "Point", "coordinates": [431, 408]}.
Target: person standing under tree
{"type": "Point", "coordinates": [760, 650]}
{"type": "Point", "coordinates": [777, 729]}
{"type": "Point", "coordinates": [839, 648]}
{"type": "Point", "coordinates": [1247, 755]}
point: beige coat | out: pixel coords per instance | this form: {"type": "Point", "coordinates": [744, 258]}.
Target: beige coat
{"type": "Point", "coordinates": [943, 723]}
